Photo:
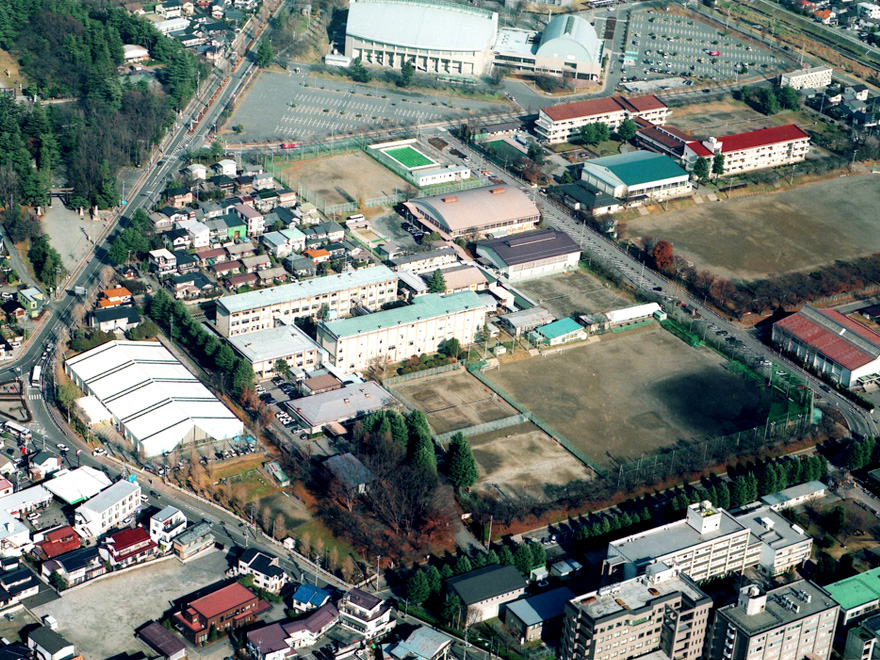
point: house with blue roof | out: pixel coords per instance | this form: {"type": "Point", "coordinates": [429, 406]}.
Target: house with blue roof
{"type": "Point", "coordinates": [308, 597]}
{"type": "Point", "coordinates": [558, 332]}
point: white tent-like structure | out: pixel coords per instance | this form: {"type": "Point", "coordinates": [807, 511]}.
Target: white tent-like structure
{"type": "Point", "coordinates": [75, 486]}
{"type": "Point", "coordinates": [155, 401]}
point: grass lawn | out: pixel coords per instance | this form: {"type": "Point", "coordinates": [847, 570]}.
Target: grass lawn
{"type": "Point", "coordinates": [504, 151]}
{"type": "Point", "coordinates": [226, 470]}
{"type": "Point", "coordinates": [607, 148]}
{"type": "Point", "coordinates": [408, 157]}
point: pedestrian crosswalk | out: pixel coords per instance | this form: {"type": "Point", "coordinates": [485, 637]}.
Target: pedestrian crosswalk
{"type": "Point", "coordinates": [34, 397]}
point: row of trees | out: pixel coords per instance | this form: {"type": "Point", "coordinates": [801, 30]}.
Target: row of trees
{"type": "Point", "coordinates": [702, 170]}
{"type": "Point", "coordinates": [46, 260]}
{"type": "Point", "coordinates": [770, 100]}
{"type": "Point", "coordinates": [231, 371]}
{"type": "Point", "coordinates": [861, 453]}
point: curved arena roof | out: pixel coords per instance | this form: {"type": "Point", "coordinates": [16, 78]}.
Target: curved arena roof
{"type": "Point", "coordinates": [570, 38]}
{"type": "Point", "coordinates": [422, 25]}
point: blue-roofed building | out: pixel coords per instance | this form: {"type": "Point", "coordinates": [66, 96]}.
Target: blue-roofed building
{"type": "Point", "coordinates": [308, 597]}
{"type": "Point", "coordinates": [531, 618]}
{"type": "Point", "coordinates": [637, 176]}
{"type": "Point", "coordinates": [558, 332]}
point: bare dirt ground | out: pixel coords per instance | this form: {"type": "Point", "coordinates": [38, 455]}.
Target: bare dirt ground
{"type": "Point", "coordinates": [454, 400]}
{"type": "Point", "coordinates": [523, 459]}
{"type": "Point", "coordinates": [71, 235]}
{"type": "Point", "coordinates": [753, 237]}
{"type": "Point", "coordinates": [9, 73]}
{"type": "Point", "coordinates": [727, 116]}
{"type": "Point", "coordinates": [568, 294]}
{"type": "Point", "coordinates": [633, 393]}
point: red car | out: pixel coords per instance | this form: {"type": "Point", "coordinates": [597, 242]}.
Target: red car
{"type": "Point", "coordinates": [288, 145]}
{"type": "Point", "coordinates": [714, 53]}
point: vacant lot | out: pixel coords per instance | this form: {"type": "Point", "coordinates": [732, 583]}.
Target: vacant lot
{"type": "Point", "coordinates": [523, 459]}
{"type": "Point", "coordinates": [352, 177]}
{"type": "Point", "coordinates": [119, 604]}
{"type": "Point", "coordinates": [727, 116]}
{"type": "Point", "coordinates": [633, 393]}
{"type": "Point", "coordinates": [753, 237]}
{"type": "Point", "coordinates": [572, 293]}
{"type": "Point", "coordinates": [454, 400]}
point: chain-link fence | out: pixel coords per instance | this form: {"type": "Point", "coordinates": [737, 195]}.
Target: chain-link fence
{"type": "Point", "coordinates": [433, 371]}
{"type": "Point", "coordinates": [485, 427]}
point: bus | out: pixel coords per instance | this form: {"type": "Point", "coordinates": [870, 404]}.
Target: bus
{"type": "Point", "coordinates": [17, 431]}
{"type": "Point", "coordinates": [35, 376]}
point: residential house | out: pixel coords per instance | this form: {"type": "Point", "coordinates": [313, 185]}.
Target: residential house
{"type": "Point", "coordinates": [253, 218]}
{"type": "Point", "coordinates": [277, 641]}
{"type": "Point", "coordinates": [265, 201]}
{"type": "Point", "coordinates": [165, 526]}
{"type": "Point", "coordinates": [56, 542]}
{"type": "Point", "coordinates": [32, 300]}
{"type": "Point", "coordinates": [177, 239]}
{"type": "Point", "coordinates": [226, 167]}
{"type": "Point", "coordinates": [276, 275]}
{"type": "Point", "coordinates": [255, 263]}
{"type": "Point", "coordinates": [6, 487]}
{"type": "Point", "coordinates": [282, 244]}
{"type": "Point", "coordinates": [179, 197]}
{"type": "Point", "coordinates": [423, 643]}
{"type": "Point", "coordinates": [169, 9]}
{"type": "Point", "coordinates": [186, 262]}
{"type": "Point", "coordinates": [482, 592]}
{"type": "Point", "coordinates": [227, 608]}
{"type": "Point", "coordinates": [308, 597]}
{"type": "Point", "coordinates": [162, 262]}
{"type": "Point", "coordinates": [240, 250]}
{"type": "Point", "coordinates": [353, 477]}
{"type": "Point", "coordinates": [17, 582]}
{"type": "Point", "coordinates": [199, 234]}
{"type": "Point", "coordinates": [163, 641]}
{"type": "Point", "coordinates": [193, 541]}
{"type": "Point", "coordinates": [264, 568]}
{"type": "Point", "coordinates": [42, 464]}
{"type": "Point", "coordinates": [325, 232]}
{"type": "Point", "coordinates": [190, 286]}
{"type": "Point", "coordinates": [317, 255]}
{"type": "Point", "coordinates": [301, 266]}
{"type": "Point", "coordinates": [286, 197]}
{"type": "Point", "coordinates": [75, 566]}
{"type": "Point", "coordinates": [109, 508]}
{"type": "Point", "coordinates": [114, 297]}
{"type": "Point", "coordinates": [210, 256]}
{"type": "Point", "coordinates": [47, 644]}
{"type": "Point", "coordinates": [222, 182]}
{"type": "Point", "coordinates": [263, 181]}
{"type": "Point", "coordinates": [226, 268]}
{"type": "Point", "coordinates": [161, 222]}
{"type": "Point", "coordinates": [365, 613]}
{"type": "Point", "coordinates": [243, 183]}
{"type": "Point", "coordinates": [236, 282]}
{"type": "Point", "coordinates": [128, 547]}
{"type": "Point", "coordinates": [196, 171]}
{"type": "Point", "coordinates": [111, 320]}
{"type": "Point", "coordinates": [175, 215]}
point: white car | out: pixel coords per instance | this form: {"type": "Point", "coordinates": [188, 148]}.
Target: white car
{"type": "Point", "coordinates": [100, 451]}
{"type": "Point", "coordinates": [35, 515]}
{"type": "Point", "coordinates": [144, 498]}
{"type": "Point", "coordinates": [62, 447]}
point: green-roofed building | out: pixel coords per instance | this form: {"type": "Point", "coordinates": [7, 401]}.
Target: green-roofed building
{"type": "Point", "coordinates": [396, 334]}
{"type": "Point", "coordinates": [559, 332]}
{"type": "Point", "coordinates": [857, 596]}
{"type": "Point", "coordinates": [637, 176]}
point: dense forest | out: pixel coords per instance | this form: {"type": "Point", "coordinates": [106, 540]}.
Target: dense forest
{"type": "Point", "coordinates": [72, 49]}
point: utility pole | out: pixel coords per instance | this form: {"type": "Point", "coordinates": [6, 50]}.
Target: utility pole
{"type": "Point", "coordinates": [489, 542]}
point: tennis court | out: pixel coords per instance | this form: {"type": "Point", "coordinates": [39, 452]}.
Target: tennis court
{"type": "Point", "coordinates": [409, 157]}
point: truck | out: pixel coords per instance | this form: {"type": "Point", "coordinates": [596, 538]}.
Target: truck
{"type": "Point", "coordinates": [79, 291]}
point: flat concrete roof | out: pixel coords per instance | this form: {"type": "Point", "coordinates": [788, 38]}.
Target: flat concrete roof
{"type": "Point", "coordinates": [634, 594]}
{"type": "Point", "coordinates": [273, 343]}
{"type": "Point", "coordinates": [774, 614]}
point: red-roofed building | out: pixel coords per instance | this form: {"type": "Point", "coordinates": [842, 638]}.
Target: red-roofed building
{"type": "Point", "coordinates": [114, 297]}
{"type": "Point", "coordinates": [57, 542]}
{"type": "Point", "coordinates": [754, 150]}
{"type": "Point", "coordinates": [6, 487]}
{"type": "Point", "coordinates": [831, 342]}
{"type": "Point", "coordinates": [230, 607]}
{"type": "Point", "coordinates": [127, 547]}
{"type": "Point", "coordinates": [559, 123]}
{"type": "Point", "coordinates": [662, 139]}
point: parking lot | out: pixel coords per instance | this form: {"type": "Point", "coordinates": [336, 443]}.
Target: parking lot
{"type": "Point", "coordinates": [295, 106]}
{"type": "Point", "coordinates": [663, 45]}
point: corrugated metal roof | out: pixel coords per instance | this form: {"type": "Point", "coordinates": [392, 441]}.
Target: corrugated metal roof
{"type": "Point", "coordinates": [835, 336]}
{"type": "Point", "coordinates": [760, 138]}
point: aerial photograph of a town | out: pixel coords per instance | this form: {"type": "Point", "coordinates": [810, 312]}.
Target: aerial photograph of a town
{"type": "Point", "coordinates": [440, 329]}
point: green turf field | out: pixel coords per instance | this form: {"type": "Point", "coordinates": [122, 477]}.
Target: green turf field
{"type": "Point", "coordinates": [408, 157]}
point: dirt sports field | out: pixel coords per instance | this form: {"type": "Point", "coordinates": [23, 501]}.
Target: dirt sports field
{"type": "Point", "coordinates": [632, 393]}
{"type": "Point", "coordinates": [521, 459]}
{"type": "Point", "coordinates": [345, 178]}
{"type": "Point", "coordinates": [572, 293]}
{"type": "Point", "coordinates": [454, 400]}
{"type": "Point", "coordinates": [753, 237]}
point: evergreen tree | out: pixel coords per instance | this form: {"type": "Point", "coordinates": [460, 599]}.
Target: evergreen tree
{"type": "Point", "coordinates": [451, 610]}
{"type": "Point", "coordinates": [224, 360]}
{"type": "Point", "coordinates": [417, 588]}
{"type": "Point", "coordinates": [718, 165]}
{"type": "Point", "coordinates": [399, 432]}
{"type": "Point", "coordinates": [625, 520]}
{"type": "Point", "coordinates": [264, 55]}
{"type": "Point", "coordinates": [463, 565]}
{"type": "Point", "coordinates": [769, 480]}
{"type": "Point", "coordinates": [522, 558]}
{"type": "Point", "coordinates": [723, 493]}
{"type": "Point", "coordinates": [437, 283]}
{"type": "Point", "coordinates": [605, 525]}
{"type": "Point", "coordinates": [478, 560]}
{"type": "Point", "coordinates": [701, 168]}
{"type": "Point", "coordinates": [539, 555]}
{"type": "Point", "coordinates": [446, 571]}
{"type": "Point", "coordinates": [492, 558]}
{"type": "Point", "coordinates": [627, 130]}
{"type": "Point", "coordinates": [242, 377]}
{"type": "Point", "coordinates": [460, 462]}
{"type": "Point", "coordinates": [435, 580]}
{"type": "Point", "coordinates": [505, 556]}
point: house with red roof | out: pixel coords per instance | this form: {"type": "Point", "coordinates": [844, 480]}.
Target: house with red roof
{"type": "Point", "coordinates": [559, 123]}
{"type": "Point", "coordinates": [227, 608]}
{"type": "Point", "coordinates": [753, 150]}
{"type": "Point", "coordinates": [56, 542]}
{"type": "Point", "coordinates": [127, 547]}
{"type": "Point", "coordinates": [830, 342]}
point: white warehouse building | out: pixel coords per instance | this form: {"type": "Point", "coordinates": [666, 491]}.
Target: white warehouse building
{"type": "Point", "coordinates": [156, 403]}
{"type": "Point", "coordinates": [454, 40]}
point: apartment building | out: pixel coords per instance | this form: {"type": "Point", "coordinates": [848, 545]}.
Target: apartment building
{"type": "Point", "coordinates": [109, 508]}
{"type": "Point", "coordinates": [858, 597]}
{"type": "Point", "coordinates": [257, 310]}
{"type": "Point", "coordinates": [264, 348]}
{"type": "Point", "coordinates": [397, 334]}
{"type": "Point", "coordinates": [754, 150]}
{"type": "Point", "coordinates": [166, 525]}
{"type": "Point", "coordinates": [788, 623]}
{"type": "Point", "coordinates": [784, 545]}
{"type": "Point", "coordinates": [559, 123]}
{"type": "Point", "coordinates": [708, 543]}
{"type": "Point", "coordinates": [817, 77]}
{"type": "Point", "coordinates": [659, 611]}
